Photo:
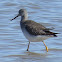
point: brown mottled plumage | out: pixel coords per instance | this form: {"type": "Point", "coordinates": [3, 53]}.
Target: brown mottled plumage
{"type": "Point", "coordinates": [37, 29]}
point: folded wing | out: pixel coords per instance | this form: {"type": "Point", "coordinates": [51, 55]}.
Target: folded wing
{"type": "Point", "coordinates": [37, 29]}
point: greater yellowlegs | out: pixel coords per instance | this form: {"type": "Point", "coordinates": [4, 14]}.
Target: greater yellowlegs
{"type": "Point", "coordinates": [33, 31]}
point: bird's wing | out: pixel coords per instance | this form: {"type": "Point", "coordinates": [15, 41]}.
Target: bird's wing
{"type": "Point", "coordinates": [36, 28]}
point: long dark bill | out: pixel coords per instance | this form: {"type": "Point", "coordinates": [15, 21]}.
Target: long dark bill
{"type": "Point", "coordinates": [15, 17]}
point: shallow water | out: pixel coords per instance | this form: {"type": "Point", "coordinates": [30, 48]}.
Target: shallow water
{"type": "Point", "coordinates": [13, 44]}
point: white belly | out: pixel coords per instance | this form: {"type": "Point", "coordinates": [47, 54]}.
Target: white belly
{"type": "Point", "coordinates": [34, 38]}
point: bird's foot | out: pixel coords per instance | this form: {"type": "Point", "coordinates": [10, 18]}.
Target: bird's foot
{"type": "Point", "coordinates": [27, 50]}
{"type": "Point", "coordinates": [46, 48]}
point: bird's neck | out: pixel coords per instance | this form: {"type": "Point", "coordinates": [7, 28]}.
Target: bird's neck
{"type": "Point", "coordinates": [24, 18]}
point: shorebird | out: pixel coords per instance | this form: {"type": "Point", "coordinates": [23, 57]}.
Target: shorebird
{"type": "Point", "coordinates": [33, 31]}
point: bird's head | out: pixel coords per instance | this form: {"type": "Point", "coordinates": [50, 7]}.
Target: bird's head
{"type": "Point", "coordinates": [22, 12]}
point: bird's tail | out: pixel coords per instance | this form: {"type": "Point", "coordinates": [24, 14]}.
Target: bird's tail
{"type": "Point", "coordinates": [55, 34]}
{"type": "Point", "coordinates": [52, 33]}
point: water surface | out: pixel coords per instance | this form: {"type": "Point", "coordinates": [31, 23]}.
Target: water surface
{"type": "Point", "coordinates": [13, 44]}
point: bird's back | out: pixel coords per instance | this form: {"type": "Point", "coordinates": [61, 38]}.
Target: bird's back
{"type": "Point", "coordinates": [35, 28]}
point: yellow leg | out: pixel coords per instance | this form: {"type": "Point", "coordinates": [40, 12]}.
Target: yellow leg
{"type": "Point", "coordinates": [28, 47]}
{"type": "Point", "coordinates": [45, 46]}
